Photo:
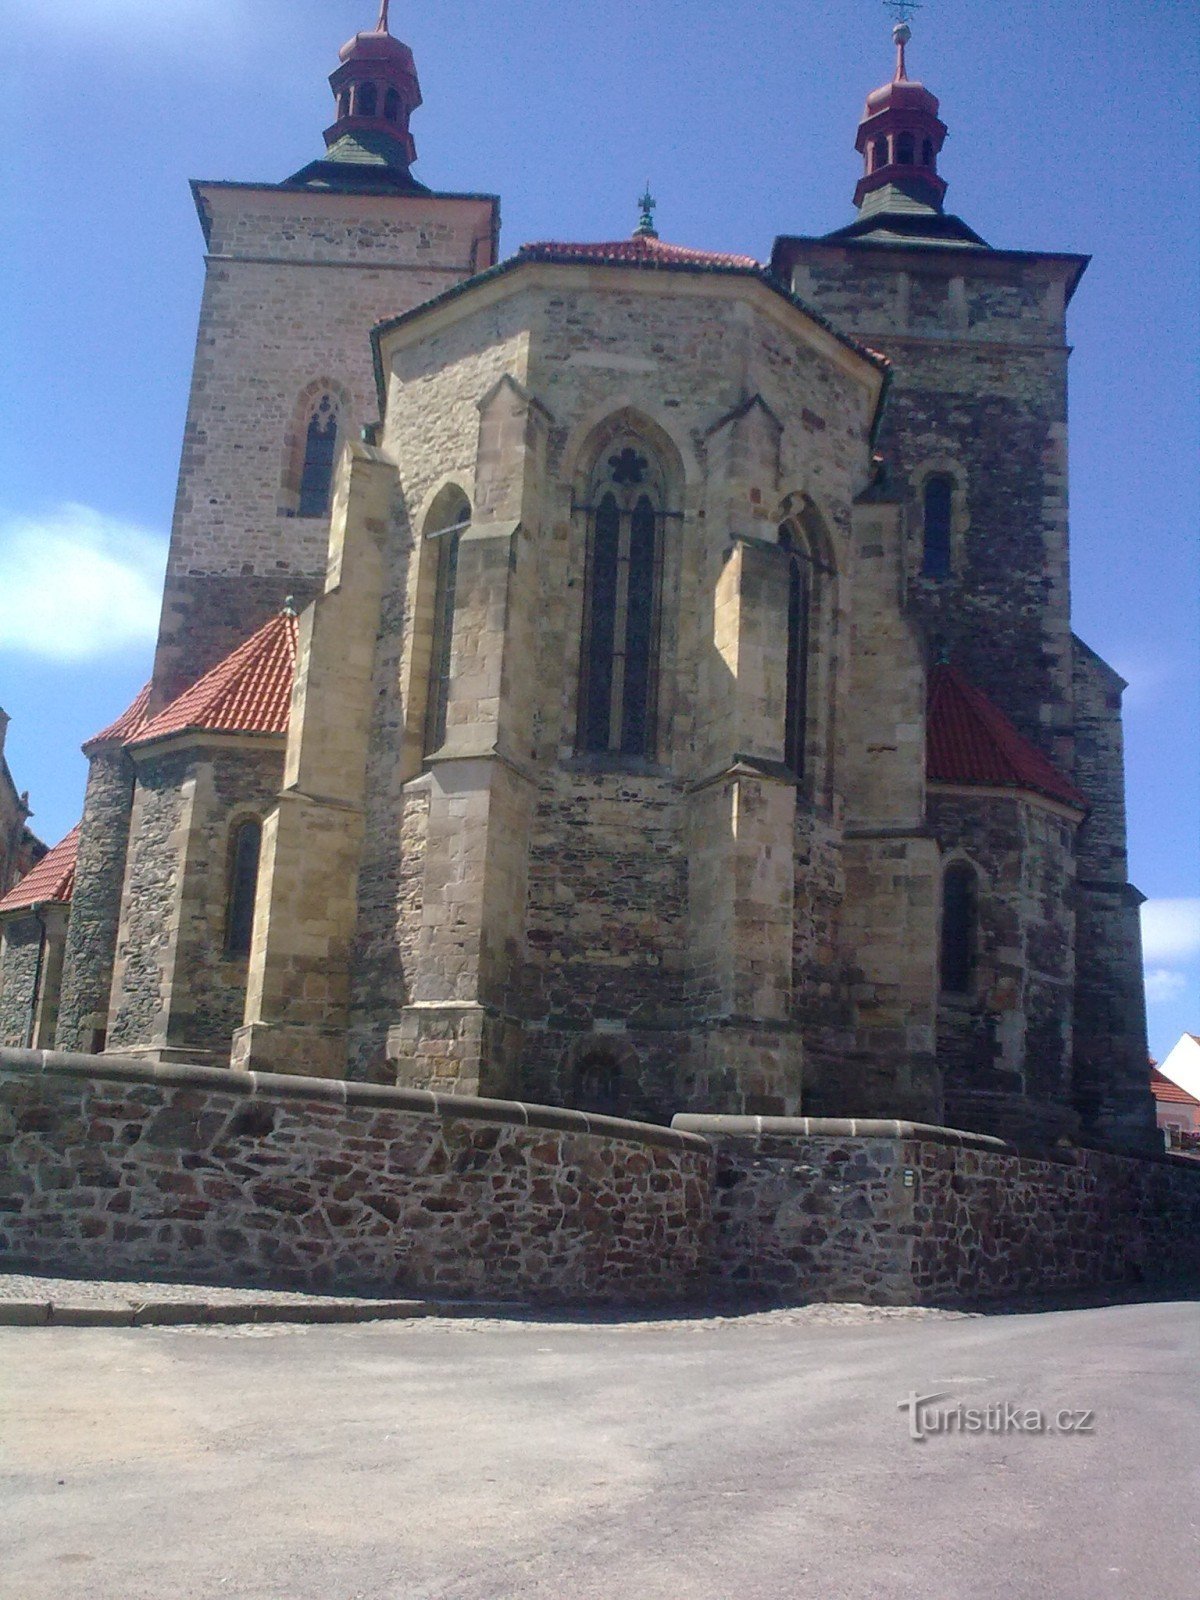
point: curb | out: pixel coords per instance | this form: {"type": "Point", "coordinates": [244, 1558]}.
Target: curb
{"type": "Point", "coordinates": [205, 1313]}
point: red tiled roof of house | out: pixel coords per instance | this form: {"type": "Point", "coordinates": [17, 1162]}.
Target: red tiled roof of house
{"type": "Point", "coordinates": [643, 250]}
{"type": "Point", "coordinates": [127, 726]}
{"type": "Point", "coordinates": [969, 741]}
{"type": "Point", "coordinates": [50, 882]}
{"type": "Point", "coordinates": [249, 692]}
{"type": "Point", "coordinates": [1169, 1093]}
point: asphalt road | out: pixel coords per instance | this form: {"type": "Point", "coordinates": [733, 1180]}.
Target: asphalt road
{"type": "Point", "coordinates": [745, 1460]}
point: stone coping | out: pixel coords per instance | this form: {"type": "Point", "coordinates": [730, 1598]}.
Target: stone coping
{"type": "Point", "coordinates": [279, 1087]}
{"type": "Point", "coordinates": [717, 1127]}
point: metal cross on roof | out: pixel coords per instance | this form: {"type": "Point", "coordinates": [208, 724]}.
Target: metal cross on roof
{"type": "Point", "coordinates": [646, 222]}
{"type": "Point", "coordinates": [903, 10]}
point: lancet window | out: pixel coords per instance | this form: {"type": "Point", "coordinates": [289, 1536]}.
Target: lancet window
{"type": "Point", "coordinates": [245, 849]}
{"type": "Point", "coordinates": [320, 457]}
{"type": "Point", "coordinates": [450, 518]}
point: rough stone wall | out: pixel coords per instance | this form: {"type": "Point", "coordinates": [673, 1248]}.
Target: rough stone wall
{"type": "Point", "coordinates": [294, 283]}
{"type": "Point", "coordinates": [899, 1214]}
{"type": "Point", "coordinates": [96, 902]}
{"type": "Point", "coordinates": [1005, 1048]}
{"type": "Point", "coordinates": [175, 988]}
{"type": "Point", "coordinates": [980, 391]}
{"type": "Point", "coordinates": [1111, 1091]}
{"type": "Point", "coordinates": [20, 971]}
{"type": "Point", "coordinates": [128, 1168]}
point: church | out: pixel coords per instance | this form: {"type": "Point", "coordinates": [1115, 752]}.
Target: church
{"type": "Point", "coordinates": [616, 675]}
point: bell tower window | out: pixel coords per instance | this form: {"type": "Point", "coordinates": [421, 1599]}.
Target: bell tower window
{"type": "Point", "coordinates": [391, 105]}
{"type": "Point", "coordinates": [367, 100]}
{"type": "Point", "coordinates": [906, 150]}
{"type": "Point", "coordinates": [619, 659]}
{"type": "Point", "coordinates": [938, 512]}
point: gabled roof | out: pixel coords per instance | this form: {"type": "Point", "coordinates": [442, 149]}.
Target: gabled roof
{"type": "Point", "coordinates": [127, 726]}
{"type": "Point", "coordinates": [968, 740]}
{"type": "Point", "coordinates": [50, 882]}
{"type": "Point", "coordinates": [249, 692]}
{"type": "Point", "coordinates": [1168, 1093]}
{"type": "Point", "coordinates": [642, 249]}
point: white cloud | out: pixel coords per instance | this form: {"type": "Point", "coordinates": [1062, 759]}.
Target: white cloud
{"type": "Point", "coordinates": [1163, 985]}
{"type": "Point", "coordinates": [1170, 929]}
{"type": "Point", "coordinates": [77, 584]}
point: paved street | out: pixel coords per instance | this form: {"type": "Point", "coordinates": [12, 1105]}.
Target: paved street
{"type": "Point", "coordinates": [748, 1459]}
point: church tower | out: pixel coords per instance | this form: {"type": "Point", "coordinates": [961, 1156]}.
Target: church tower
{"type": "Point", "coordinates": [974, 448]}
{"type": "Point", "coordinates": [296, 274]}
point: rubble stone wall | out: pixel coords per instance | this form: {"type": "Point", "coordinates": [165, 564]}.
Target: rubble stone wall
{"type": "Point", "coordinates": [116, 1166]}
{"type": "Point", "coordinates": [897, 1213]}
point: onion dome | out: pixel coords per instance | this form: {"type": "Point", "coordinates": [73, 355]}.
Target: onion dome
{"type": "Point", "coordinates": [900, 139]}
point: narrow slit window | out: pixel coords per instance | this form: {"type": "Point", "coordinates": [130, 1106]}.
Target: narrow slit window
{"type": "Point", "coordinates": [619, 661]}
{"type": "Point", "coordinates": [795, 731]}
{"type": "Point", "coordinates": [958, 929]}
{"type": "Point", "coordinates": [320, 456]}
{"type": "Point", "coordinates": [938, 508]}
{"type": "Point", "coordinates": [243, 886]}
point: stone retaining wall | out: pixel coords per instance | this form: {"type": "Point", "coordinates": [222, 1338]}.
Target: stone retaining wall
{"type": "Point", "coordinates": [899, 1213]}
{"type": "Point", "coordinates": [117, 1166]}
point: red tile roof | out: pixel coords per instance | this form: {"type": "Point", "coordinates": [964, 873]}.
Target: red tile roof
{"type": "Point", "coordinates": [249, 692]}
{"type": "Point", "coordinates": [50, 882]}
{"type": "Point", "coordinates": [641, 250]}
{"type": "Point", "coordinates": [1168, 1093]}
{"type": "Point", "coordinates": [127, 726]}
{"type": "Point", "coordinates": [969, 741]}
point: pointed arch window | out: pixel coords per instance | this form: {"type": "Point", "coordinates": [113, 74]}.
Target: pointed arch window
{"type": "Point", "coordinates": [618, 699]}
{"type": "Point", "coordinates": [958, 928]}
{"type": "Point", "coordinates": [245, 850]}
{"type": "Point", "coordinates": [450, 518]}
{"type": "Point", "coordinates": [799, 633]}
{"type": "Point", "coordinates": [320, 457]}
{"type": "Point", "coordinates": [938, 518]}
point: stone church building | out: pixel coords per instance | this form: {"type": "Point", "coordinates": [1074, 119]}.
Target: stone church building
{"type": "Point", "coordinates": [616, 675]}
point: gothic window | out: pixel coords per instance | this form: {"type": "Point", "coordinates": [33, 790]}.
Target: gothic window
{"type": "Point", "coordinates": [367, 100]}
{"type": "Point", "coordinates": [938, 509]}
{"type": "Point", "coordinates": [880, 157]}
{"type": "Point", "coordinates": [619, 660]}
{"type": "Point", "coordinates": [320, 455]}
{"type": "Point", "coordinates": [597, 1084]}
{"type": "Point", "coordinates": [906, 149]}
{"type": "Point", "coordinates": [391, 105]}
{"type": "Point", "coordinates": [958, 929]}
{"type": "Point", "coordinates": [451, 515]}
{"type": "Point", "coordinates": [243, 885]}
{"type": "Point", "coordinates": [795, 729]}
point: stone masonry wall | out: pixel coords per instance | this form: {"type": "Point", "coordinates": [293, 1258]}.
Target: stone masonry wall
{"type": "Point", "coordinates": [21, 941]}
{"type": "Point", "coordinates": [117, 1166]}
{"type": "Point", "coordinates": [96, 901]}
{"type": "Point", "coordinates": [897, 1213]}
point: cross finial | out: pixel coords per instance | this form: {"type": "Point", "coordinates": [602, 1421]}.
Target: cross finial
{"type": "Point", "coordinates": [903, 10]}
{"type": "Point", "coordinates": [382, 26]}
{"type": "Point", "coordinates": [645, 227]}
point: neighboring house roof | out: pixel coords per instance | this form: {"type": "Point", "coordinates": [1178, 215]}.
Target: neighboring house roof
{"type": "Point", "coordinates": [643, 249]}
{"type": "Point", "coordinates": [968, 740]}
{"type": "Point", "coordinates": [50, 882]}
{"type": "Point", "coordinates": [127, 726]}
{"type": "Point", "coordinates": [249, 692]}
{"type": "Point", "coordinates": [1168, 1093]}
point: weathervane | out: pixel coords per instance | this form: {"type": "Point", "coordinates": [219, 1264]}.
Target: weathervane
{"type": "Point", "coordinates": [903, 10]}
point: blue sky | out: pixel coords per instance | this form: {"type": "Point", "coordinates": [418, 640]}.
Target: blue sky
{"type": "Point", "coordinates": [1071, 128]}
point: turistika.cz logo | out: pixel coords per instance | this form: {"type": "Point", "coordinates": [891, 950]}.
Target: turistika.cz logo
{"type": "Point", "coordinates": [928, 1418]}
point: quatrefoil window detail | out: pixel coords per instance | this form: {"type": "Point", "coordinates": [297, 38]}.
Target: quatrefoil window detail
{"type": "Point", "coordinates": [628, 466]}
